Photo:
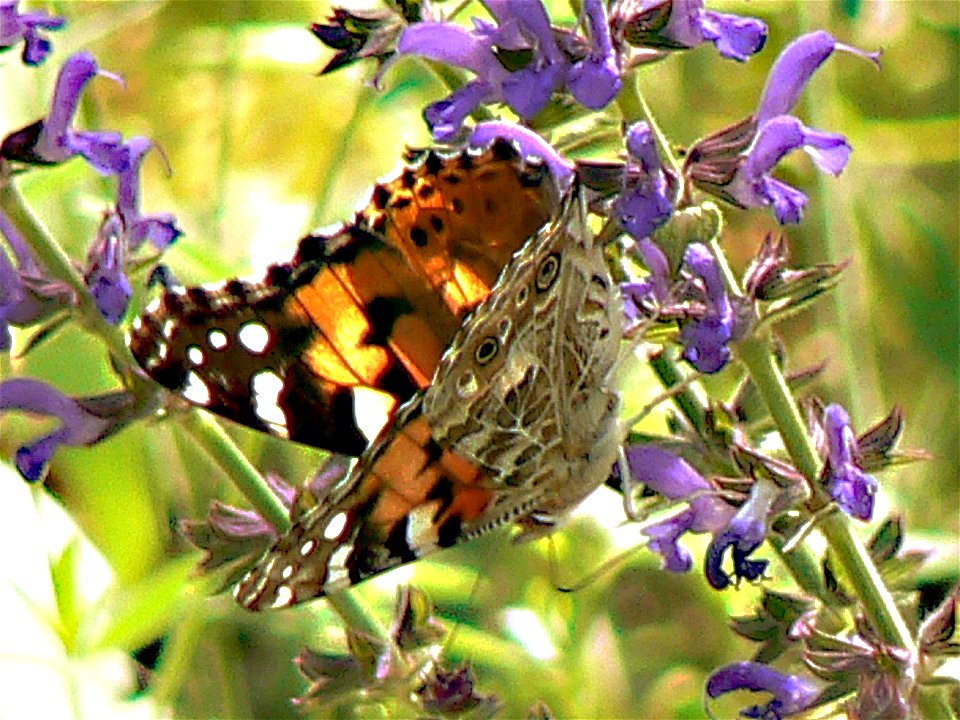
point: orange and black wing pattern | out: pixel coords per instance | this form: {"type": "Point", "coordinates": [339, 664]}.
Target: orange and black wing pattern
{"type": "Point", "coordinates": [369, 307]}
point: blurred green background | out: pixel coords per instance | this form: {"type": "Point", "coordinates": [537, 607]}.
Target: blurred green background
{"type": "Point", "coordinates": [263, 150]}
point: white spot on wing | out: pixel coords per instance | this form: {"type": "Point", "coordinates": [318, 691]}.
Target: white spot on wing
{"type": "Point", "coordinates": [421, 530]}
{"type": "Point", "coordinates": [335, 526]}
{"type": "Point", "coordinates": [284, 597]}
{"type": "Point", "coordinates": [287, 572]}
{"type": "Point", "coordinates": [218, 339]}
{"type": "Point", "coordinates": [195, 355]}
{"type": "Point", "coordinates": [153, 306]}
{"type": "Point", "coordinates": [196, 390]}
{"type": "Point", "coordinates": [254, 337]}
{"type": "Point", "coordinates": [337, 573]}
{"type": "Point", "coordinates": [137, 324]}
{"type": "Point", "coordinates": [267, 386]}
{"type": "Point", "coordinates": [372, 409]}
{"type": "Point", "coordinates": [168, 326]}
{"type": "Point", "coordinates": [163, 349]}
{"type": "Point", "coordinates": [308, 547]}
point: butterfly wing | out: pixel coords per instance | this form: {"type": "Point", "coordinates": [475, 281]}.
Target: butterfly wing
{"type": "Point", "coordinates": [370, 307]}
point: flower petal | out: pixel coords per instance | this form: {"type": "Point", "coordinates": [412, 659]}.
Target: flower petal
{"type": "Point", "coordinates": [530, 143]}
{"type": "Point", "coordinates": [793, 69]}
{"type": "Point", "coordinates": [451, 44]}
{"type": "Point", "coordinates": [734, 36]}
{"type": "Point", "coordinates": [792, 693]}
{"type": "Point", "coordinates": [83, 421]}
{"type": "Point", "coordinates": [445, 117]}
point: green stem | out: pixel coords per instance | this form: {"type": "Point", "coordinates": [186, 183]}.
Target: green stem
{"type": "Point", "coordinates": [338, 159]}
{"type": "Point", "coordinates": [212, 438]}
{"type": "Point", "coordinates": [837, 528]}
{"type": "Point", "coordinates": [686, 399]}
{"type": "Point", "coordinates": [357, 617]}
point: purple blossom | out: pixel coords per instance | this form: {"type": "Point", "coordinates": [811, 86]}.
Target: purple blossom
{"type": "Point", "coordinates": [706, 338]}
{"type": "Point", "coordinates": [791, 693]}
{"type": "Point", "coordinates": [83, 421]}
{"type": "Point", "coordinates": [675, 479]}
{"type": "Point", "coordinates": [852, 488]}
{"type": "Point", "coordinates": [517, 61]}
{"type": "Point", "coordinates": [643, 205]}
{"type": "Point", "coordinates": [595, 80]}
{"type": "Point", "coordinates": [53, 140]}
{"type": "Point", "coordinates": [238, 538]}
{"type": "Point", "coordinates": [16, 26]}
{"type": "Point", "coordinates": [530, 144]}
{"type": "Point", "coordinates": [683, 24]}
{"type": "Point", "coordinates": [753, 186]}
{"type": "Point", "coordinates": [746, 531]}
{"type": "Point", "coordinates": [654, 289]}
{"type": "Point", "coordinates": [27, 294]}
{"type": "Point", "coordinates": [736, 162]}
{"type": "Point", "coordinates": [105, 277]}
{"type": "Point", "coordinates": [161, 229]}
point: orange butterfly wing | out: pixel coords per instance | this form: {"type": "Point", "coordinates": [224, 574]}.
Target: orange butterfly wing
{"type": "Point", "coordinates": [370, 306]}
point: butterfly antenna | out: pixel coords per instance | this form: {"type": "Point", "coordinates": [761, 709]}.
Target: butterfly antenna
{"type": "Point", "coordinates": [598, 572]}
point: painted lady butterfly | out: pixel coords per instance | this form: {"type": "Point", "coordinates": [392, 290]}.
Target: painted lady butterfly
{"type": "Point", "coordinates": [515, 423]}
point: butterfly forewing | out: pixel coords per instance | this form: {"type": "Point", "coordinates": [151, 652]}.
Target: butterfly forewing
{"type": "Point", "coordinates": [371, 306]}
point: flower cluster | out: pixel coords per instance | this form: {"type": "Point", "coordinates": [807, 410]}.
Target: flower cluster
{"type": "Point", "coordinates": [32, 295]}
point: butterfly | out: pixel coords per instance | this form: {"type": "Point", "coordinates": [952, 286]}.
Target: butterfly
{"type": "Point", "coordinates": [517, 424]}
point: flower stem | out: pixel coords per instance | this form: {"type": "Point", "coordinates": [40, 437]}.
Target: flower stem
{"type": "Point", "coordinates": [212, 438]}
{"type": "Point", "coordinates": [357, 617]}
{"type": "Point", "coordinates": [837, 528]}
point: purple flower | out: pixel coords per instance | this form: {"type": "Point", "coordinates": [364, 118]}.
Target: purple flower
{"type": "Point", "coordinates": [852, 488]}
{"type": "Point", "coordinates": [645, 297]}
{"type": "Point", "coordinates": [105, 277]}
{"type": "Point", "coordinates": [16, 26]}
{"type": "Point", "coordinates": [517, 61]}
{"type": "Point", "coordinates": [530, 144]}
{"type": "Point", "coordinates": [753, 186]}
{"type": "Point", "coordinates": [161, 230]}
{"type": "Point", "coordinates": [682, 24]}
{"type": "Point", "coordinates": [595, 80]}
{"type": "Point", "coordinates": [735, 163]}
{"type": "Point", "coordinates": [791, 693]}
{"type": "Point", "coordinates": [27, 294]}
{"type": "Point", "coordinates": [83, 421]}
{"type": "Point", "coordinates": [675, 479]}
{"type": "Point", "coordinates": [746, 531]}
{"type": "Point", "coordinates": [53, 140]}
{"type": "Point", "coordinates": [238, 538]}
{"type": "Point", "coordinates": [706, 338]}
{"type": "Point", "coordinates": [453, 692]}
{"type": "Point", "coordinates": [643, 205]}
